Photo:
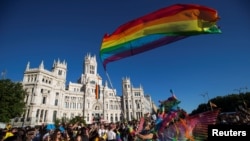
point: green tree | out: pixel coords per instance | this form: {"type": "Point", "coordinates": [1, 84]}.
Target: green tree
{"type": "Point", "coordinates": [227, 103]}
{"type": "Point", "coordinates": [57, 122]}
{"type": "Point", "coordinates": [11, 100]}
{"type": "Point", "coordinates": [77, 119]}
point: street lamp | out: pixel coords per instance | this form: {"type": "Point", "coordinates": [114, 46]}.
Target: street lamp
{"type": "Point", "coordinates": [242, 96]}
{"type": "Point", "coordinates": [84, 96]}
{"type": "Point", "coordinates": [103, 104]}
{"type": "Point", "coordinates": [203, 95]}
{"type": "Point", "coordinates": [206, 101]}
{"type": "Point", "coordinates": [207, 96]}
{"type": "Point", "coordinates": [244, 88]}
{"type": "Point", "coordinates": [238, 90]}
{"type": "Point", "coordinates": [83, 106]}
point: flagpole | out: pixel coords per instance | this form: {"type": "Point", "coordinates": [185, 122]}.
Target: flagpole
{"type": "Point", "coordinates": [208, 101]}
{"type": "Point", "coordinates": [122, 112]}
{"type": "Point", "coordinates": [211, 105]}
{"type": "Point", "coordinates": [203, 95]}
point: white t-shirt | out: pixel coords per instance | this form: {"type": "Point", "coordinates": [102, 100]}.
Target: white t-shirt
{"type": "Point", "coordinates": [101, 132]}
{"type": "Point", "coordinates": [111, 135]}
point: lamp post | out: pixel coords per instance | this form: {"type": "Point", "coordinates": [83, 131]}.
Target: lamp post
{"type": "Point", "coordinates": [24, 116]}
{"type": "Point", "coordinates": [103, 92]}
{"type": "Point", "coordinates": [84, 94]}
{"type": "Point", "coordinates": [238, 90]}
{"type": "Point", "coordinates": [207, 96]}
{"type": "Point", "coordinates": [246, 89]}
{"type": "Point", "coordinates": [205, 101]}
{"type": "Point", "coordinates": [242, 96]}
{"type": "Point", "coordinates": [203, 95]}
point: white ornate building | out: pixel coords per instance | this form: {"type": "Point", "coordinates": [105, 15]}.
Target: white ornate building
{"type": "Point", "coordinates": [49, 98]}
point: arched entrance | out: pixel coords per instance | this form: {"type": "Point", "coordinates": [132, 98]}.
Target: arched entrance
{"type": "Point", "coordinates": [97, 113]}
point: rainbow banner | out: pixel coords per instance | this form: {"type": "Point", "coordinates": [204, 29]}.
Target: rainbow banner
{"type": "Point", "coordinates": [156, 29]}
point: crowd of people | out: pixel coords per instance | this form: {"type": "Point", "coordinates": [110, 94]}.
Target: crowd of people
{"type": "Point", "coordinates": [135, 130]}
{"type": "Point", "coordinates": [120, 131]}
{"type": "Point", "coordinates": [240, 117]}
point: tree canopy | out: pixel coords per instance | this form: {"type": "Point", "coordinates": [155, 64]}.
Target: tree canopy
{"type": "Point", "coordinates": [227, 103]}
{"type": "Point", "coordinates": [12, 102]}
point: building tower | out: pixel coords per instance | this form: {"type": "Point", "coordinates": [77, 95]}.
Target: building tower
{"type": "Point", "coordinates": [127, 98]}
{"type": "Point", "coordinates": [93, 91]}
{"type": "Point", "coordinates": [90, 65]}
{"type": "Point", "coordinates": [60, 72]}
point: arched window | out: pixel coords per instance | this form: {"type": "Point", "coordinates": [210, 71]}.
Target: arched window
{"type": "Point", "coordinates": [59, 72]}
{"type": "Point", "coordinates": [45, 115]}
{"type": "Point", "coordinates": [56, 102]}
{"type": "Point", "coordinates": [41, 116]}
{"type": "Point", "coordinates": [111, 118]}
{"type": "Point", "coordinates": [44, 100]}
{"type": "Point", "coordinates": [37, 113]}
{"type": "Point", "coordinates": [54, 116]}
{"type": "Point", "coordinates": [116, 118]}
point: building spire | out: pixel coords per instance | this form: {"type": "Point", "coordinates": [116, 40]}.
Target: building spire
{"type": "Point", "coordinates": [41, 65]}
{"type": "Point", "coordinates": [27, 66]}
{"type": "Point", "coordinates": [3, 74]}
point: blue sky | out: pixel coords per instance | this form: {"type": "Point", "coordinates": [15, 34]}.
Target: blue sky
{"type": "Point", "coordinates": [50, 29]}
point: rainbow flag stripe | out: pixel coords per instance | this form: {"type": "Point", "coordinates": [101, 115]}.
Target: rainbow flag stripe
{"type": "Point", "coordinates": [156, 29]}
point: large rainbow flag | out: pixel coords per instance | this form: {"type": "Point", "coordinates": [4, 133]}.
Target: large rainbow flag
{"type": "Point", "coordinates": [156, 29]}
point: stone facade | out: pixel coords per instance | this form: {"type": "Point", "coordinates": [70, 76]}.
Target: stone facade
{"type": "Point", "coordinates": [49, 98]}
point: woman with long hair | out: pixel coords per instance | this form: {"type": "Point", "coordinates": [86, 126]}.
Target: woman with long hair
{"type": "Point", "coordinates": [56, 135]}
{"type": "Point", "coordinates": [93, 133]}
